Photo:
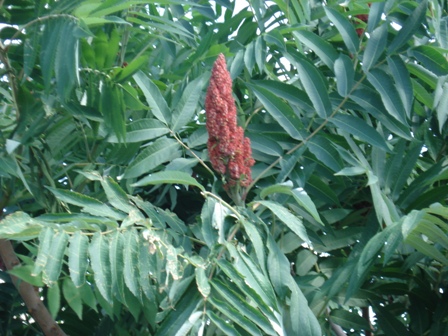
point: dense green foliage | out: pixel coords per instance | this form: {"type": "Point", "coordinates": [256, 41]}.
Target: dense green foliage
{"type": "Point", "coordinates": [113, 208]}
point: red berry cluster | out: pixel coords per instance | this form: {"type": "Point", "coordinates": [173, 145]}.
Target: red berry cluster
{"type": "Point", "coordinates": [230, 152]}
{"type": "Point", "coordinates": [364, 18]}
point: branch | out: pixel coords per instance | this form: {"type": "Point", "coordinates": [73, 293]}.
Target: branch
{"type": "Point", "coordinates": [31, 297]}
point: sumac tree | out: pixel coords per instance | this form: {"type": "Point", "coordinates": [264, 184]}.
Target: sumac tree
{"type": "Point", "coordinates": [115, 216]}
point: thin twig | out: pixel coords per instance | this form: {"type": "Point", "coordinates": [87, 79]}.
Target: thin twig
{"type": "Point", "coordinates": [192, 153]}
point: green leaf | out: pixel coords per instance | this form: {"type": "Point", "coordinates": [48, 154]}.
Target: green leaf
{"type": "Point", "coordinates": [407, 164]}
{"type": "Point", "coordinates": [126, 72]}
{"type": "Point", "coordinates": [66, 60]}
{"type": "Point", "coordinates": [189, 323]}
{"type": "Point", "coordinates": [343, 68]}
{"type": "Point", "coordinates": [345, 28]}
{"type": "Point", "coordinates": [130, 253]}
{"type": "Point", "coordinates": [172, 263]}
{"type": "Point", "coordinates": [360, 129]}
{"type": "Point", "coordinates": [394, 239]}
{"type": "Point", "coordinates": [30, 48]}
{"type": "Point", "coordinates": [116, 196]}
{"type": "Point", "coordinates": [259, 51]}
{"type": "Point", "coordinates": [305, 261]}
{"type": "Point", "coordinates": [53, 266]}
{"type": "Point", "coordinates": [423, 74]}
{"type": "Point", "coordinates": [237, 64]}
{"type": "Point", "coordinates": [77, 258]}
{"type": "Point", "coordinates": [19, 225]}
{"type": "Point", "coordinates": [338, 239]}
{"type": "Point", "coordinates": [265, 145]}
{"type": "Point", "coordinates": [174, 321]}
{"type": "Point", "coordinates": [291, 221]}
{"type": "Point", "coordinates": [432, 232]}
{"type": "Point", "coordinates": [351, 171]}
{"type": "Point", "coordinates": [275, 37]}
{"type": "Point", "coordinates": [207, 228]}
{"type": "Point", "coordinates": [145, 269]}
{"type": "Point", "coordinates": [431, 59]}
{"type": "Point", "coordinates": [288, 164]}
{"type": "Point", "coordinates": [113, 6]}
{"type": "Point", "coordinates": [409, 27]}
{"type": "Point", "coordinates": [49, 43]}
{"type": "Point", "coordinates": [375, 13]}
{"type": "Point", "coordinates": [132, 101]}
{"type": "Point", "coordinates": [260, 288]}
{"type": "Point", "coordinates": [420, 183]}
{"type": "Point", "coordinates": [292, 94]}
{"type": "Point", "coordinates": [113, 49]}
{"type": "Point", "coordinates": [249, 59]}
{"type": "Point", "coordinates": [142, 130]}
{"type": "Point", "coordinates": [245, 272]}
{"type": "Point", "coordinates": [97, 21]}
{"type": "Point", "coordinates": [314, 85]}
{"type": "Point", "coordinates": [198, 138]}
{"type": "Point", "coordinates": [89, 204]}
{"type": "Point", "coordinates": [54, 299]}
{"type": "Point", "coordinates": [172, 177]}
{"type": "Point", "coordinates": [348, 320]}
{"type": "Point", "coordinates": [202, 282]}
{"type": "Point", "coordinates": [187, 105]}
{"type": "Point", "coordinates": [388, 323]}
{"type": "Point", "coordinates": [371, 101]}
{"type": "Point", "coordinates": [160, 151]}
{"type": "Point", "coordinates": [389, 94]}
{"type": "Point", "coordinates": [402, 82]}
{"type": "Point", "coordinates": [222, 324]}
{"type": "Point", "coordinates": [167, 25]}
{"type": "Point", "coordinates": [99, 258]}
{"type": "Point", "coordinates": [280, 111]}
{"type": "Point", "coordinates": [302, 319]}
{"type": "Point", "coordinates": [45, 239]}
{"type": "Point", "coordinates": [325, 152]}
{"type": "Point", "coordinates": [256, 238]}
{"type": "Point", "coordinates": [112, 107]}
{"type": "Point", "coordinates": [73, 296]}
{"type": "Point", "coordinates": [442, 108]}
{"type": "Point", "coordinates": [380, 201]}
{"type": "Point", "coordinates": [25, 273]}
{"type": "Point", "coordinates": [79, 220]}
{"type": "Point", "coordinates": [156, 102]}
{"type": "Point", "coordinates": [8, 167]}
{"type": "Point", "coordinates": [228, 311]}
{"type": "Point", "coordinates": [239, 303]}
{"type": "Point", "coordinates": [375, 47]}
{"type": "Point", "coordinates": [116, 260]}
{"type": "Point", "coordinates": [289, 243]}
{"type": "Point", "coordinates": [88, 296]}
{"type": "Point", "coordinates": [438, 209]}
{"type": "Point", "coordinates": [368, 256]}
{"type": "Point", "coordinates": [322, 48]}
{"type": "Point", "coordinates": [300, 196]}
{"type": "Point", "coordinates": [428, 250]}
{"type": "Point", "coordinates": [279, 269]}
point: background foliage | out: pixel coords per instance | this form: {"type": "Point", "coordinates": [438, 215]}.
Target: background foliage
{"type": "Point", "coordinates": [115, 214]}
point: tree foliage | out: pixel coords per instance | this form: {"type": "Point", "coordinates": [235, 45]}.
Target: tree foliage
{"type": "Point", "coordinates": [114, 210]}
